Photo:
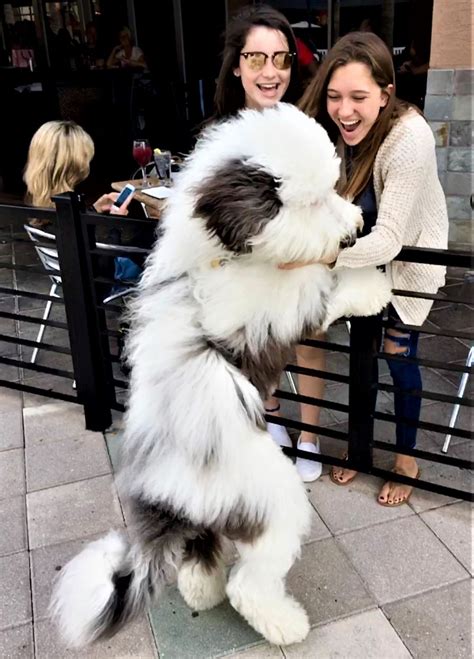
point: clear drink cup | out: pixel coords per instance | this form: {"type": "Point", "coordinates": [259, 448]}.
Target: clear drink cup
{"type": "Point", "coordinates": [163, 165]}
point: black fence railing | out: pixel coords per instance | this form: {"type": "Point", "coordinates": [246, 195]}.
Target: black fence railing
{"type": "Point", "coordinates": [95, 334]}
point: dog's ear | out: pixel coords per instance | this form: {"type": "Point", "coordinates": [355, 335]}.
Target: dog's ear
{"type": "Point", "coordinates": [237, 202]}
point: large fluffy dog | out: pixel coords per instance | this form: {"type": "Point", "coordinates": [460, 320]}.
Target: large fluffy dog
{"type": "Point", "coordinates": [213, 323]}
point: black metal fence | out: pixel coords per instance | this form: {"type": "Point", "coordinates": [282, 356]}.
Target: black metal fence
{"type": "Point", "coordinates": [94, 335]}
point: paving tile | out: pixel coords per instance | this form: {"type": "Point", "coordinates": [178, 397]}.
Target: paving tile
{"type": "Point", "coordinates": [327, 585]}
{"type": "Point", "coordinates": [339, 393]}
{"type": "Point", "coordinates": [113, 440]}
{"type": "Point", "coordinates": [441, 348]}
{"type": "Point", "coordinates": [7, 328]}
{"type": "Point", "coordinates": [12, 424]}
{"type": "Point", "coordinates": [46, 563]}
{"type": "Point", "coordinates": [17, 643]}
{"type": "Point", "coordinates": [12, 473]}
{"type": "Point", "coordinates": [455, 378]}
{"type": "Point", "coordinates": [15, 597]}
{"type": "Point", "coordinates": [32, 281]}
{"type": "Point", "coordinates": [10, 400]}
{"type": "Point", "coordinates": [12, 526]}
{"type": "Point", "coordinates": [400, 558]}
{"type": "Point", "coordinates": [435, 624]}
{"type": "Point", "coordinates": [48, 383]}
{"type": "Point", "coordinates": [72, 511]}
{"type": "Point", "coordinates": [354, 506]}
{"type": "Point", "coordinates": [434, 472]}
{"type": "Point", "coordinates": [53, 421]}
{"type": "Point", "coordinates": [456, 316]}
{"type": "Point", "coordinates": [453, 526]}
{"type": "Point", "coordinates": [441, 413]}
{"type": "Point", "coordinates": [455, 288]}
{"type": "Point", "coordinates": [54, 462]}
{"type": "Point", "coordinates": [318, 529]}
{"type": "Point", "coordinates": [181, 635]}
{"type": "Point", "coordinates": [265, 651]}
{"type": "Point", "coordinates": [135, 640]}
{"type": "Point", "coordinates": [10, 373]}
{"type": "Point", "coordinates": [366, 635]}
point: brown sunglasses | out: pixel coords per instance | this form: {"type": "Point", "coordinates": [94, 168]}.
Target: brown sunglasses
{"type": "Point", "coordinates": [281, 60]}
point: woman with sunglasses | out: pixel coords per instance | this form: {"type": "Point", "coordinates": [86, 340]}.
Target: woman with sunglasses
{"type": "Point", "coordinates": [259, 69]}
{"type": "Point", "coordinates": [259, 66]}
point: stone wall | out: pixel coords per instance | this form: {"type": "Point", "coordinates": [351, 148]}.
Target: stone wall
{"type": "Point", "coordinates": [448, 108]}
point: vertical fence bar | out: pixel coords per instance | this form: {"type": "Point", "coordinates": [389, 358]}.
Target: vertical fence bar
{"type": "Point", "coordinates": [92, 381]}
{"type": "Point", "coordinates": [363, 339]}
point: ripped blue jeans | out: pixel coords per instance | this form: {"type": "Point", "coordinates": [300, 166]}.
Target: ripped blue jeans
{"type": "Point", "coordinates": [406, 376]}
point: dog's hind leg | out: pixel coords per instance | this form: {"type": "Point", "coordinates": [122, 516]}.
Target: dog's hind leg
{"type": "Point", "coordinates": [202, 577]}
{"type": "Point", "coordinates": [256, 587]}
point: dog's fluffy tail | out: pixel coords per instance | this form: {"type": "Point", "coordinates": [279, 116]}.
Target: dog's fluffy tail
{"type": "Point", "coordinates": [106, 585]}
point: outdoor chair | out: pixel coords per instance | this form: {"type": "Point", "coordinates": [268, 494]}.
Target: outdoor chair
{"type": "Point", "coordinates": [45, 246]}
{"type": "Point", "coordinates": [49, 259]}
{"type": "Point", "coordinates": [460, 394]}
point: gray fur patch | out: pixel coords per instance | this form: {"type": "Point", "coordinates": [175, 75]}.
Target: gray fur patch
{"type": "Point", "coordinates": [262, 369]}
{"type": "Point", "coordinates": [206, 549]}
{"type": "Point", "coordinates": [237, 202]}
{"type": "Point", "coordinates": [240, 527]}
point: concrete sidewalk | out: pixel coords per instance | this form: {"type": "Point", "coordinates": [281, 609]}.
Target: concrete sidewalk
{"type": "Point", "coordinates": [376, 582]}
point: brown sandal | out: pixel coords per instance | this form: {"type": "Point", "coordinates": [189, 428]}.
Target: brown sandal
{"type": "Point", "coordinates": [407, 499]}
{"type": "Point", "coordinates": [335, 480]}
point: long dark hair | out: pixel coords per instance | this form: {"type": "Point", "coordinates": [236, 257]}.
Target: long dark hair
{"type": "Point", "coordinates": [369, 49]}
{"type": "Point", "coordinates": [230, 95]}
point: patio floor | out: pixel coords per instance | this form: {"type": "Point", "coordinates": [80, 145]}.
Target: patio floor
{"type": "Point", "coordinates": [376, 582]}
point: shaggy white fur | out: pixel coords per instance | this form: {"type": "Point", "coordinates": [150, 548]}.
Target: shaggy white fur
{"type": "Point", "coordinates": [202, 589]}
{"type": "Point", "coordinates": [211, 327]}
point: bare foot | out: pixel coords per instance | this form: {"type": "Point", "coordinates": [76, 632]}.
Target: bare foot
{"type": "Point", "coordinates": [394, 494]}
{"type": "Point", "coordinates": [342, 476]}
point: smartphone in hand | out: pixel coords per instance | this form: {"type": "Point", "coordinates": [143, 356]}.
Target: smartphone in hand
{"type": "Point", "coordinates": [128, 190]}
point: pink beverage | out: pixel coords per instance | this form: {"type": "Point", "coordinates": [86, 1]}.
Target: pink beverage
{"type": "Point", "coordinates": [142, 155]}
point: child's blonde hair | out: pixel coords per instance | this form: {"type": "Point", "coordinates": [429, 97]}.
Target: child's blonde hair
{"type": "Point", "coordinates": [58, 159]}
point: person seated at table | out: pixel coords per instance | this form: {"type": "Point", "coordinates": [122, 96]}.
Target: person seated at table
{"type": "Point", "coordinates": [126, 55]}
{"type": "Point", "coordinates": [59, 159]}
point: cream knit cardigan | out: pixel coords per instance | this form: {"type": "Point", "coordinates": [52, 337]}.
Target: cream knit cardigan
{"type": "Point", "coordinates": [411, 211]}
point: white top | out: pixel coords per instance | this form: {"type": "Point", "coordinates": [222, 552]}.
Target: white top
{"type": "Point", "coordinates": [137, 53]}
{"type": "Point", "coordinates": [411, 212]}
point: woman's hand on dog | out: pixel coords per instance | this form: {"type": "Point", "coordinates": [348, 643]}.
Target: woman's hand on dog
{"type": "Point", "coordinates": [301, 264]}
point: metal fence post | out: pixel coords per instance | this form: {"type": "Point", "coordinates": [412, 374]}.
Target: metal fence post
{"type": "Point", "coordinates": [363, 339]}
{"type": "Point", "coordinates": [92, 378]}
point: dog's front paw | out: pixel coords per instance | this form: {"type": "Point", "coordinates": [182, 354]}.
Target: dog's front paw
{"type": "Point", "coordinates": [381, 294]}
{"type": "Point", "coordinates": [201, 589]}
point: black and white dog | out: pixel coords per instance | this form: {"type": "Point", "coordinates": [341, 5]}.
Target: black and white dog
{"type": "Point", "coordinates": [212, 326]}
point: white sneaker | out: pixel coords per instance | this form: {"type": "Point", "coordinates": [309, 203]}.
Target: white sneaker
{"type": "Point", "coordinates": [308, 469]}
{"type": "Point", "coordinates": [279, 435]}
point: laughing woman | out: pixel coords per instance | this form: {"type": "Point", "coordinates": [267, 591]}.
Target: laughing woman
{"type": "Point", "coordinates": [389, 169]}
{"type": "Point", "coordinates": [259, 69]}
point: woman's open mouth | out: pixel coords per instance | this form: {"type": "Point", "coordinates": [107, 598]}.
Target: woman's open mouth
{"type": "Point", "coordinates": [349, 127]}
{"type": "Point", "coordinates": [269, 89]}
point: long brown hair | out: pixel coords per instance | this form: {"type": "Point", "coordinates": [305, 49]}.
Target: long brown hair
{"type": "Point", "coordinates": [230, 95]}
{"type": "Point", "coordinates": [366, 48]}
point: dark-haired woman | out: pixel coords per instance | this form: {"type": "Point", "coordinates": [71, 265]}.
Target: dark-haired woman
{"type": "Point", "coordinates": [259, 69]}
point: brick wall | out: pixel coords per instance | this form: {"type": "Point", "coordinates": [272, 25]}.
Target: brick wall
{"type": "Point", "coordinates": [448, 108]}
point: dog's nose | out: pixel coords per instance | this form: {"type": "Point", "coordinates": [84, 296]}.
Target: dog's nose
{"type": "Point", "coordinates": [348, 241]}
